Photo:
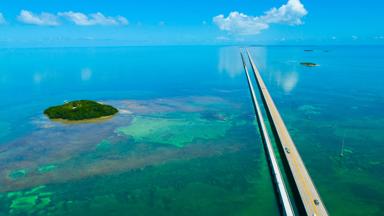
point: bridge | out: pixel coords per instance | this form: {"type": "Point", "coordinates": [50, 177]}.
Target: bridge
{"type": "Point", "coordinates": [305, 195]}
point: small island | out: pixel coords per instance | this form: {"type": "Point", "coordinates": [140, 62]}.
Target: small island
{"type": "Point", "coordinates": [80, 110]}
{"type": "Point", "coordinates": [309, 64]}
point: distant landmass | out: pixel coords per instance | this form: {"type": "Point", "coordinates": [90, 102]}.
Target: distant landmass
{"type": "Point", "coordinates": [309, 64]}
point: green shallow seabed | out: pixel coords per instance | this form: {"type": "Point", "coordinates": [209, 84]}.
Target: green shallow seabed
{"type": "Point", "coordinates": [228, 183]}
{"type": "Point", "coordinates": [356, 177]}
{"type": "Point", "coordinates": [47, 168]}
{"type": "Point", "coordinates": [222, 185]}
{"type": "Point", "coordinates": [17, 174]}
{"type": "Point", "coordinates": [27, 202]}
{"type": "Point", "coordinates": [174, 131]}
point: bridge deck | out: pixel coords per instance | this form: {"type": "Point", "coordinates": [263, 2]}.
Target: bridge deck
{"type": "Point", "coordinates": [308, 193]}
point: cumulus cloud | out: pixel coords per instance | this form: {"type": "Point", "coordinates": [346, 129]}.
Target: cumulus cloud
{"type": "Point", "coordinates": [43, 19]}
{"type": "Point", "coordinates": [240, 23]}
{"type": "Point", "coordinates": [93, 19]}
{"type": "Point", "coordinates": [290, 13]}
{"type": "Point", "coordinates": [2, 19]}
{"type": "Point", "coordinates": [122, 20]}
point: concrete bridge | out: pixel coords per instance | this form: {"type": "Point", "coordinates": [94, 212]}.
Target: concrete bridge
{"type": "Point", "coordinates": [305, 195]}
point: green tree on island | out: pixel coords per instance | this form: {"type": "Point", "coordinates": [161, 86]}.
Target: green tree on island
{"type": "Point", "coordinates": [80, 110]}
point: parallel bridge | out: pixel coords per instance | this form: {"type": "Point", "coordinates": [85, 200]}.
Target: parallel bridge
{"type": "Point", "coordinates": [307, 198]}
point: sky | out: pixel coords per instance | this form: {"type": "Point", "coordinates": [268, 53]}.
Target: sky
{"type": "Point", "coordinates": [198, 22]}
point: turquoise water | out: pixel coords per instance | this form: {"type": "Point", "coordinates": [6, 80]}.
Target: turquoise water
{"type": "Point", "coordinates": [185, 142]}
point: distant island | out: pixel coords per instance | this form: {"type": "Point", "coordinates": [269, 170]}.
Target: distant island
{"type": "Point", "coordinates": [309, 64]}
{"type": "Point", "coordinates": [80, 110]}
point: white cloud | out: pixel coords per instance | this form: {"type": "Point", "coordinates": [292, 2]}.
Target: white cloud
{"type": "Point", "coordinates": [77, 18]}
{"type": "Point", "coordinates": [93, 19]}
{"type": "Point", "coordinates": [122, 20]}
{"type": "Point", "coordinates": [290, 13]}
{"type": "Point", "coordinates": [240, 23]}
{"type": "Point", "coordinates": [43, 19]}
{"type": "Point", "coordinates": [2, 19]}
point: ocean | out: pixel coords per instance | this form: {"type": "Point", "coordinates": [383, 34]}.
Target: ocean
{"type": "Point", "coordinates": [185, 141]}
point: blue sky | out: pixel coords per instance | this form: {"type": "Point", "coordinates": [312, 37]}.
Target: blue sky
{"type": "Point", "coordinates": [157, 22]}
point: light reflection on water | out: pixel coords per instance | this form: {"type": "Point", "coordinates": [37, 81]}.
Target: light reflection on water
{"type": "Point", "coordinates": [229, 61]}
{"type": "Point", "coordinates": [287, 81]}
{"type": "Point", "coordinates": [86, 74]}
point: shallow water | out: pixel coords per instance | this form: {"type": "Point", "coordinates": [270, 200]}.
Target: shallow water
{"type": "Point", "coordinates": [185, 142]}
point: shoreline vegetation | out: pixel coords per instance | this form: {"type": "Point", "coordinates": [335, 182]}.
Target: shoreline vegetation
{"type": "Point", "coordinates": [81, 111]}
